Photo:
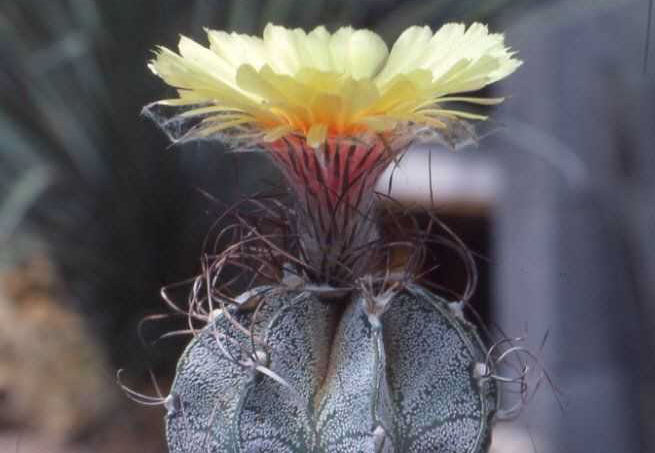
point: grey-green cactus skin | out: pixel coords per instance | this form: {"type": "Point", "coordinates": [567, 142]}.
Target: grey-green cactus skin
{"type": "Point", "coordinates": [346, 379]}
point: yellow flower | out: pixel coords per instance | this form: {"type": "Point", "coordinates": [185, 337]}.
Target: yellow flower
{"type": "Point", "coordinates": [321, 85]}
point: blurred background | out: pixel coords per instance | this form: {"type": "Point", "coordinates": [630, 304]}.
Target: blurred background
{"type": "Point", "coordinates": [98, 211]}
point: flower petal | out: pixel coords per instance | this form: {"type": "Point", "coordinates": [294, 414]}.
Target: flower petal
{"type": "Point", "coordinates": [237, 49]}
{"type": "Point", "coordinates": [358, 53]}
{"type": "Point", "coordinates": [406, 54]}
{"type": "Point", "coordinates": [282, 49]}
{"type": "Point", "coordinates": [323, 85]}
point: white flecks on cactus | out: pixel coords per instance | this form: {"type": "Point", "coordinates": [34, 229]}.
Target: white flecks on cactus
{"type": "Point", "coordinates": [406, 387]}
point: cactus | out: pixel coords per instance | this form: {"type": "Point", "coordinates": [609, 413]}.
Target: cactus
{"type": "Point", "coordinates": [349, 378]}
{"type": "Point", "coordinates": [340, 350]}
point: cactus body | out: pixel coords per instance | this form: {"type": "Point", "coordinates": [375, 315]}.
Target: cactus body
{"type": "Point", "coordinates": [344, 378]}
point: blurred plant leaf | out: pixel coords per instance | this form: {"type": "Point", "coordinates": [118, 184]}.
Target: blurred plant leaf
{"type": "Point", "coordinates": [277, 11]}
{"type": "Point", "coordinates": [21, 197]}
{"type": "Point", "coordinates": [241, 16]}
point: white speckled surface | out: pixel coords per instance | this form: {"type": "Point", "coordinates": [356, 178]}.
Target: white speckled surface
{"type": "Point", "coordinates": [406, 387]}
